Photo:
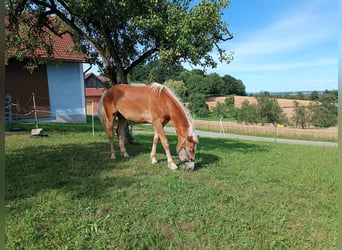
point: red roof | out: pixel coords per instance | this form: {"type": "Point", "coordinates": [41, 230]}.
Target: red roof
{"type": "Point", "coordinates": [103, 79]}
{"type": "Point", "coordinates": [61, 49]}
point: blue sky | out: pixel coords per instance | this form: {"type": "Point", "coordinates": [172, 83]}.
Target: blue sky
{"type": "Point", "coordinates": [282, 45]}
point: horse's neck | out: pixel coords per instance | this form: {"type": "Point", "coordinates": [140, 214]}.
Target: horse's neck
{"type": "Point", "coordinates": [182, 128]}
{"type": "Point", "coordinates": [179, 119]}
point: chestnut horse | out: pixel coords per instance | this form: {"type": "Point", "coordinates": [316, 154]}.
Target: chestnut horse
{"type": "Point", "coordinates": [154, 104]}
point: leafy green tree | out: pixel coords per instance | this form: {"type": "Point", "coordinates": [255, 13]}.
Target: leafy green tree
{"type": "Point", "coordinates": [197, 83]}
{"type": "Point", "coordinates": [183, 76]}
{"type": "Point", "coordinates": [197, 104]}
{"type": "Point", "coordinates": [155, 71]}
{"type": "Point", "coordinates": [302, 115]}
{"type": "Point", "coordinates": [178, 87]}
{"type": "Point", "coordinates": [230, 104]}
{"type": "Point", "coordinates": [119, 35]}
{"type": "Point", "coordinates": [329, 97]}
{"type": "Point", "coordinates": [248, 113]}
{"type": "Point", "coordinates": [215, 85]}
{"type": "Point", "coordinates": [324, 115]}
{"type": "Point", "coordinates": [314, 96]}
{"type": "Point", "coordinates": [325, 112]}
{"type": "Point", "coordinates": [233, 86]}
{"type": "Point", "coordinates": [220, 110]}
{"type": "Point", "coordinates": [269, 109]}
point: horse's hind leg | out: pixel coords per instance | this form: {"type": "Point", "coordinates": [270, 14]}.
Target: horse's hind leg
{"type": "Point", "coordinates": [108, 124]}
{"type": "Point", "coordinates": [122, 123]}
{"type": "Point", "coordinates": [109, 130]}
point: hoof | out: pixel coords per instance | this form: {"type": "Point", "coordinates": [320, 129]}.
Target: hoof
{"type": "Point", "coordinates": [113, 157]}
{"type": "Point", "coordinates": [173, 166]}
{"type": "Point", "coordinates": [154, 161]}
{"type": "Point", "coordinates": [124, 154]}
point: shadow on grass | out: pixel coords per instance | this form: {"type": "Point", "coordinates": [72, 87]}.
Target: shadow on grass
{"type": "Point", "coordinates": [70, 167]}
{"type": "Point", "coordinates": [84, 168]}
{"type": "Point", "coordinates": [212, 150]}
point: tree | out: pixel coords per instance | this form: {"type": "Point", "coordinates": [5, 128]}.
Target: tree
{"type": "Point", "coordinates": [215, 85]}
{"type": "Point", "coordinates": [197, 104]}
{"type": "Point", "coordinates": [269, 109]}
{"type": "Point", "coordinates": [197, 83]}
{"type": "Point", "coordinates": [220, 110]}
{"type": "Point", "coordinates": [248, 113]}
{"type": "Point", "coordinates": [119, 35]}
{"type": "Point", "coordinates": [314, 96]}
{"type": "Point", "coordinates": [324, 113]}
{"type": "Point", "coordinates": [233, 86]}
{"type": "Point", "coordinates": [178, 87]}
{"type": "Point", "coordinates": [302, 115]}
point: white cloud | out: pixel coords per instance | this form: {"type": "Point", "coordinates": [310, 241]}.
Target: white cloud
{"type": "Point", "coordinates": [298, 38]}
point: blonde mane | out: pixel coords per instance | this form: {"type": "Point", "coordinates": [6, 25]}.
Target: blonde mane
{"type": "Point", "coordinates": [158, 88]}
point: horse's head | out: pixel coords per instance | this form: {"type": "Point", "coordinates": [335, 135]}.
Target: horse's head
{"type": "Point", "coordinates": [186, 150]}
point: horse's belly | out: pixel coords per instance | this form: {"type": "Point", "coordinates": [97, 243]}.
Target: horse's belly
{"type": "Point", "coordinates": [140, 116]}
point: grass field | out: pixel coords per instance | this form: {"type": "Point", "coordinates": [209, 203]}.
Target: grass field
{"type": "Point", "coordinates": [63, 192]}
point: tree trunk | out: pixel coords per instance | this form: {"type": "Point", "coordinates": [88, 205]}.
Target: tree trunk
{"type": "Point", "coordinates": [112, 73]}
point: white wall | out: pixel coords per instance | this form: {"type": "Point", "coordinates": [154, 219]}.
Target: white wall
{"type": "Point", "coordinates": [66, 90]}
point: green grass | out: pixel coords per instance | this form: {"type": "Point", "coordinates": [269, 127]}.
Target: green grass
{"type": "Point", "coordinates": [63, 192]}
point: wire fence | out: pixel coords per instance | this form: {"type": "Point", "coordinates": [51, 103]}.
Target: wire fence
{"type": "Point", "coordinates": [267, 129]}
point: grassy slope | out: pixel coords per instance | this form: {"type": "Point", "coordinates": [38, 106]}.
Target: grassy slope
{"type": "Point", "coordinates": [63, 192]}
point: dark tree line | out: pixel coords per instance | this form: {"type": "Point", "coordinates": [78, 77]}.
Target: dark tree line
{"type": "Point", "coordinates": [193, 86]}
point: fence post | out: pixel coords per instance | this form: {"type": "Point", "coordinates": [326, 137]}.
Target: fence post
{"type": "Point", "coordinates": [92, 116]}
{"type": "Point", "coordinates": [275, 131]}
{"type": "Point", "coordinates": [222, 128]}
{"type": "Point", "coordinates": [35, 110]}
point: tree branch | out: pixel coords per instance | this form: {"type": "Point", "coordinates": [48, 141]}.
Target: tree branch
{"type": "Point", "coordinates": [141, 59]}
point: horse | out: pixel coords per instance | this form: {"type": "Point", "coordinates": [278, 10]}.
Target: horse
{"type": "Point", "coordinates": [155, 104]}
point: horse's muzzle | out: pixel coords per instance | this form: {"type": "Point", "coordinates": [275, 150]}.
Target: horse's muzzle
{"type": "Point", "coordinates": [189, 165]}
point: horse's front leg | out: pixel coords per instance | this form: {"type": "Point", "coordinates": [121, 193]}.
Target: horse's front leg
{"type": "Point", "coordinates": [160, 130]}
{"type": "Point", "coordinates": [154, 147]}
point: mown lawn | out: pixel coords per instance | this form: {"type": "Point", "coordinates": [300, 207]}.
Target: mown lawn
{"type": "Point", "coordinates": [63, 192]}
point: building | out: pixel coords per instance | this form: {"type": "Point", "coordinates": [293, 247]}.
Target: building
{"type": "Point", "coordinates": [94, 87]}
{"type": "Point", "coordinates": [57, 87]}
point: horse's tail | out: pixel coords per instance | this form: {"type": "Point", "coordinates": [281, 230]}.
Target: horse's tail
{"type": "Point", "coordinates": [101, 113]}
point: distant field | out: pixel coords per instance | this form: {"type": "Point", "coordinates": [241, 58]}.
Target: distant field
{"type": "Point", "coordinates": [286, 104]}
{"type": "Point", "coordinates": [63, 192]}
{"type": "Point", "coordinates": [269, 130]}
{"type": "Point", "coordinates": [288, 107]}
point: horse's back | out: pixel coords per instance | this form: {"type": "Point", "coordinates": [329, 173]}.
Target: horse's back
{"type": "Point", "coordinates": [135, 103]}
